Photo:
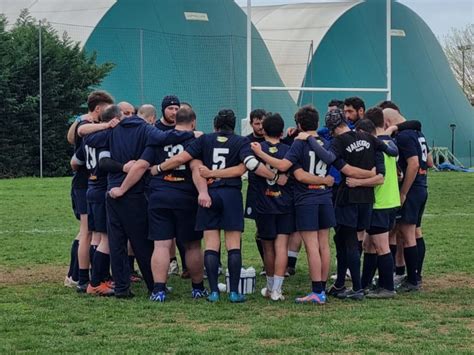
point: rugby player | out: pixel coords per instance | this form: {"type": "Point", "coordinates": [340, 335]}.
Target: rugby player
{"type": "Point", "coordinates": [314, 213]}
{"type": "Point", "coordinates": [387, 200]}
{"type": "Point", "coordinates": [217, 151]}
{"type": "Point", "coordinates": [413, 163]}
{"type": "Point", "coordinates": [172, 205]}
{"type": "Point", "coordinates": [96, 102]}
{"type": "Point", "coordinates": [127, 215]}
{"type": "Point", "coordinates": [256, 119]}
{"type": "Point", "coordinates": [89, 154]}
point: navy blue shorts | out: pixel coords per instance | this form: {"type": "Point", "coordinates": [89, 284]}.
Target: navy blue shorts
{"type": "Point", "coordinates": [79, 201]}
{"type": "Point", "coordinates": [412, 210]}
{"type": "Point", "coordinates": [271, 225]}
{"type": "Point", "coordinates": [382, 221]}
{"type": "Point", "coordinates": [97, 217]}
{"type": "Point", "coordinates": [314, 217]}
{"type": "Point", "coordinates": [357, 215]}
{"type": "Point", "coordinates": [250, 203]}
{"type": "Point", "coordinates": [226, 211]}
{"type": "Point", "coordinates": [168, 223]}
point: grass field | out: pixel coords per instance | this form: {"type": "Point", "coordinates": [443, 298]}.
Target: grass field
{"type": "Point", "coordinates": [38, 314]}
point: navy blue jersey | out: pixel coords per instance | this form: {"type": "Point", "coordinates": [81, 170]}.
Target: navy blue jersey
{"type": "Point", "coordinates": [271, 197]}
{"type": "Point", "coordinates": [413, 143]}
{"type": "Point", "coordinates": [94, 147]}
{"type": "Point", "coordinates": [357, 149]}
{"type": "Point", "coordinates": [221, 150]}
{"type": "Point", "coordinates": [128, 141]}
{"type": "Point", "coordinates": [162, 127]}
{"type": "Point", "coordinates": [303, 157]}
{"type": "Point", "coordinates": [79, 180]}
{"type": "Point", "coordinates": [173, 188]}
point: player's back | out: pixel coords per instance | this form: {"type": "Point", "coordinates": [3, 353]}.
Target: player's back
{"type": "Point", "coordinates": [413, 143]}
{"type": "Point", "coordinates": [175, 187]}
{"type": "Point", "coordinates": [220, 150]}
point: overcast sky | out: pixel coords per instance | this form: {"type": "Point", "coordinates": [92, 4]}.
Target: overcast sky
{"type": "Point", "coordinates": [440, 15]}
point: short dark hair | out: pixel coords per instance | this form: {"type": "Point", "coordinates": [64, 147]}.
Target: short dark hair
{"type": "Point", "coordinates": [388, 104]}
{"type": "Point", "coordinates": [355, 102]}
{"type": "Point", "coordinates": [185, 116]}
{"type": "Point", "coordinates": [273, 125]}
{"type": "Point", "coordinates": [337, 103]}
{"type": "Point", "coordinates": [375, 114]}
{"type": "Point", "coordinates": [307, 117]}
{"type": "Point", "coordinates": [96, 98]}
{"type": "Point", "coordinates": [225, 120]}
{"type": "Point", "coordinates": [184, 103]}
{"type": "Point", "coordinates": [365, 125]}
{"type": "Point", "coordinates": [113, 111]}
{"type": "Point", "coordinates": [257, 114]}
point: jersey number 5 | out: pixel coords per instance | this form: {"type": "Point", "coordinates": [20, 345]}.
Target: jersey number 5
{"type": "Point", "coordinates": [424, 148]}
{"type": "Point", "coordinates": [218, 158]}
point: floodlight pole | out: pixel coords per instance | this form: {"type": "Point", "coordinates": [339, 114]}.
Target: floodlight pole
{"type": "Point", "coordinates": [249, 57]}
{"type": "Point", "coordinates": [389, 49]}
{"type": "Point", "coordinates": [40, 80]}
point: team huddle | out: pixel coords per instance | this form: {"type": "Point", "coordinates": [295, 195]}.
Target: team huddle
{"type": "Point", "coordinates": [143, 187]}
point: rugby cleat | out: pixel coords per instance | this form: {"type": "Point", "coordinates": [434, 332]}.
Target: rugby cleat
{"type": "Point", "coordinates": [381, 293]}
{"type": "Point", "coordinates": [69, 282]}
{"type": "Point", "coordinates": [406, 286]}
{"type": "Point", "coordinates": [277, 295]}
{"type": "Point", "coordinates": [265, 292]}
{"type": "Point", "coordinates": [313, 297]}
{"type": "Point", "coordinates": [235, 297]}
{"type": "Point", "coordinates": [159, 296]}
{"type": "Point", "coordinates": [290, 271]}
{"type": "Point", "coordinates": [81, 288]}
{"type": "Point", "coordinates": [351, 295]}
{"type": "Point", "coordinates": [334, 291]}
{"type": "Point", "coordinates": [125, 295]}
{"type": "Point", "coordinates": [214, 297]}
{"type": "Point", "coordinates": [101, 290]}
{"type": "Point", "coordinates": [174, 268]}
{"type": "Point", "coordinates": [197, 293]}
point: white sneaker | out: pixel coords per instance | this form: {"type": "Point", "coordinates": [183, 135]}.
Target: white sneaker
{"type": "Point", "coordinates": [398, 279]}
{"type": "Point", "coordinates": [69, 282]}
{"type": "Point", "coordinates": [265, 292]}
{"type": "Point", "coordinates": [174, 268]}
{"type": "Point", "coordinates": [277, 295]}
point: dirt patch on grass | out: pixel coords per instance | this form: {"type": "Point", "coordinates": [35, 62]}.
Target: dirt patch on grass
{"type": "Point", "coordinates": [32, 274]}
{"type": "Point", "coordinates": [279, 341]}
{"type": "Point", "coordinates": [448, 281]}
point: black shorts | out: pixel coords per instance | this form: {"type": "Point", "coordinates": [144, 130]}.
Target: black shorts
{"type": "Point", "coordinates": [271, 225]}
{"type": "Point", "coordinates": [79, 202]}
{"type": "Point", "coordinates": [357, 215]}
{"type": "Point", "coordinates": [412, 210]}
{"type": "Point", "coordinates": [382, 220]}
{"type": "Point", "coordinates": [168, 223]}
{"type": "Point", "coordinates": [250, 203]}
{"type": "Point", "coordinates": [226, 212]}
{"type": "Point", "coordinates": [97, 217]}
{"type": "Point", "coordinates": [314, 217]}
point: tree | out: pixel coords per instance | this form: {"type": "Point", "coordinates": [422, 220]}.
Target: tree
{"type": "Point", "coordinates": [68, 76]}
{"type": "Point", "coordinates": [459, 43]}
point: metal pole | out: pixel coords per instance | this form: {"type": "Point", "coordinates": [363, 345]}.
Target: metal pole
{"type": "Point", "coordinates": [463, 72]}
{"type": "Point", "coordinates": [470, 154]}
{"type": "Point", "coordinates": [249, 57]}
{"type": "Point", "coordinates": [142, 95]}
{"type": "Point", "coordinates": [389, 49]}
{"type": "Point", "coordinates": [40, 101]}
{"type": "Point", "coordinates": [452, 141]}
